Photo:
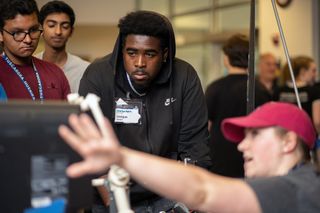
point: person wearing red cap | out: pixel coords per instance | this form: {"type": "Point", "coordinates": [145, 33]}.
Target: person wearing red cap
{"type": "Point", "coordinates": [275, 140]}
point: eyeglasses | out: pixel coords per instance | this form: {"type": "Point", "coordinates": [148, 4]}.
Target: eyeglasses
{"type": "Point", "coordinates": [21, 35]}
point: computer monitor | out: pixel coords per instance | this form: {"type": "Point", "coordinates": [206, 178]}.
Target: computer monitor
{"type": "Point", "coordinates": [33, 157]}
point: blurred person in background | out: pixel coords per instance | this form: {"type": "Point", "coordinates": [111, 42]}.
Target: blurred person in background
{"type": "Point", "coordinates": [226, 97]}
{"type": "Point", "coordinates": [57, 19]}
{"type": "Point", "coordinates": [304, 70]}
{"type": "Point", "coordinates": [305, 73]}
{"type": "Point", "coordinates": [266, 80]}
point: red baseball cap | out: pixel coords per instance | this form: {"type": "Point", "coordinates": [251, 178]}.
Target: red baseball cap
{"type": "Point", "coordinates": [285, 115]}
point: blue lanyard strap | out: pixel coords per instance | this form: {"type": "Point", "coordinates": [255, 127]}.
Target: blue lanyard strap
{"type": "Point", "coordinates": [19, 74]}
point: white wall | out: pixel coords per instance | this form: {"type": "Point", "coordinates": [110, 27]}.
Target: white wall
{"type": "Point", "coordinates": [297, 23]}
{"type": "Point", "coordinates": [90, 42]}
{"type": "Point", "coordinates": [95, 29]}
{"type": "Point", "coordinates": [97, 12]}
{"type": "Point", "coordinates": [96, 26]}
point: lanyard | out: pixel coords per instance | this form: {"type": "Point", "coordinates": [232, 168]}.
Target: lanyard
{"type": "Point", "coordinates": [132, 87]}
{"type": "Point", "coordinates": [19, 74]}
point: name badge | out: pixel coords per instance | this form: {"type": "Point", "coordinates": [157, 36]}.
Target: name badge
{"type": "Point", "coordinates": [127, 111]}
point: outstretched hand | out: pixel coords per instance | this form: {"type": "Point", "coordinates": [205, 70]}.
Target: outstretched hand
{"type": "Point", "coordinates": [98, 152]}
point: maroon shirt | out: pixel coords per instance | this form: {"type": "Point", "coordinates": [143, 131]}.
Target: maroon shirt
{"type": "Point", "coordinates": [54, 82]}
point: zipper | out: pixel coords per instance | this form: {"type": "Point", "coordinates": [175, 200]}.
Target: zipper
{"type": "Point", "coordinates": [149, 144]}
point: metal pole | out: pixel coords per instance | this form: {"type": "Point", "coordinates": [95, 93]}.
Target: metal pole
{"type": "Point", "coordinates": [251, 71]}
{"type": "Point", "coordinates": [284, 44]}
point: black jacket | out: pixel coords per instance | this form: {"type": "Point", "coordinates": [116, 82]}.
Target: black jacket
{"type": "Point", "coordinates": [174, 115]}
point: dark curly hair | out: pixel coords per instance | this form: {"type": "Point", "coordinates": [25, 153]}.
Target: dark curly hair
{"type": "Point", "coordinates": [237, 50]}
{"type": "Point", "coordinates": [56, 7]}
{"type": "Point", "coordinates": [145, 23]}
{"type": "Point", "coordinates": [10, 8]}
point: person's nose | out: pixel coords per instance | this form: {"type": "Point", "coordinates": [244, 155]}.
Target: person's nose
{"type": "Point", "coordinates": [140, 62]}
{"type": "Point", "coordinates": [244, 144]}
{"type": "Point", "coordinates": [58, 30]}
{"type": "Point", "coordinates": [27, 39]}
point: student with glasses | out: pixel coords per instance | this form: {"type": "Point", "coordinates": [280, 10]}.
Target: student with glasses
{"type": "Point", "coordinates": [22, 75]}
{"type": "Point", "coordinates": [21, 35]}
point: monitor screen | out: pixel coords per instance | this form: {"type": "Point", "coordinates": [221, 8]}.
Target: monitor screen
{"type": "Point", "coordinates": [33, 157]}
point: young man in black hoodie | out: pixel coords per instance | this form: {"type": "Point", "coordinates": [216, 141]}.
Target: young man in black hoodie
{"type": "Point", "coordinates": [154, 100]}
{"type": "Point", "coordinates": [226, 97]}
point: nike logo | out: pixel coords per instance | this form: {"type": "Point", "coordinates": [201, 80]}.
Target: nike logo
{"type": "Point", "coordinates": [169, 100]}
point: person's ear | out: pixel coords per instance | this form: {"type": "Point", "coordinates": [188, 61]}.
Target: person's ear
{"type": "Point", "coordinates": [1, 36]}
{"type": "Point", "coordinates": [165, 55]}
{"type": "Point", "coordinates": [290, 142]}
{"type": "Point", "coordinates": [226, 61]}
{"type": "Point", "coordinates": [71, 33]}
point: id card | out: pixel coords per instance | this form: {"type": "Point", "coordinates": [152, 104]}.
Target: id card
{"type": "Point", "coordinates": [127, 111]}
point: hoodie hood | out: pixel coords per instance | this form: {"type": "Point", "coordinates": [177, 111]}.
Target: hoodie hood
{"type": "Point", "coordinates": [166, 69]}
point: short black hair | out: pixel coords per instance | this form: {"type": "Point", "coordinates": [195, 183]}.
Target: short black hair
{"type": "Point", "coordinates": [145, 23]}
{"type": "Point", "coordinates": [56, 7]}
{"type": "Point", "coordinates": [9, 9]}
{"type": "Point", "coordinates": [237, 50]}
